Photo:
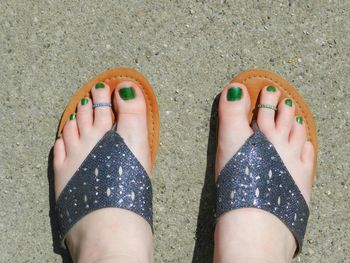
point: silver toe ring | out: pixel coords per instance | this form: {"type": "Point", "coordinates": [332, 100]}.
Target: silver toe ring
{"type": "Point", "coordinates": [101, 105]}
{"type": "Point", "coordinates": [267, 106]}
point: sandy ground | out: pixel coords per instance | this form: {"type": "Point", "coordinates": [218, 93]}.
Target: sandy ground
{"type": "Point", "coordinates": [188, 50]}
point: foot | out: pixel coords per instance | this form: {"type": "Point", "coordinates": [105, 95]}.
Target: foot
{"type": "Point", "coordinates": [110, 234]}
{"type": "Point", "coordinates": [240, 232]}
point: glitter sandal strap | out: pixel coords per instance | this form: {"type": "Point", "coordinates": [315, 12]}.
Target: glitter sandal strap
{"type": "Point", "coordinates": [110, 176]}
{"type": "Point", "coordinates": [256, 177]}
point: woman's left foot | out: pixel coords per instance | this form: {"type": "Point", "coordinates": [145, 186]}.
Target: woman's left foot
{"type": "Point", "coordinates": [242, 231]}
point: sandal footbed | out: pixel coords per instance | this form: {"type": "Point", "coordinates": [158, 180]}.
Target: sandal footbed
{"type": "Point", "coordinates": [256, 79]}
{"type": "Point", "coordinates": [112, 78]}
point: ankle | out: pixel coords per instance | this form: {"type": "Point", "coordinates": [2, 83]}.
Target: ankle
{"type": "Point", "coordinates": [108, 251]}
{"type": "Point", "coordinates": [110, 234]}
{"type": "Point", "coordinates": [110, 257]}
{"type": "Point", "coordinates": [86, 249]}
{"type": "Point", "coordinates": [252, 235]}
{"type": "Point", "coordinates": [103, 257]}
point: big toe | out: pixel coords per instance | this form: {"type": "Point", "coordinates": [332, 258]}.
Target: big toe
{"type": "Point", "coordinates": [234, 128]}
{"type": "Point", "coordinates": [131, 109]}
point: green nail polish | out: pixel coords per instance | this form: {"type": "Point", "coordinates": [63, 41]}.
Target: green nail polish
{"type": "Point", "coordinates": [234, 93]}
{"type": "Point", "coordinates": [299, 120]}
{"type": "Point", "coordinates": [288, 102]}
{"type": "Point", "coordinates": [84, 101]}
{"type": "Point", "coordinates": [100, 86]}
{"type": "Point", "coordinates": [271, 89]}
{"type": "Point", "coordinates": [127, 93]}
{"type": "Point", "coordinates": [73, 116]}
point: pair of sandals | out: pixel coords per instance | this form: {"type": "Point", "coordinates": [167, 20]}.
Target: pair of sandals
{"type": "Point", "coordinates": [111, 176]}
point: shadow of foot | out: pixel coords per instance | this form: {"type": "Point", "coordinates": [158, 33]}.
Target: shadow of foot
{"type": "Point", "coordinates": [204, 246]}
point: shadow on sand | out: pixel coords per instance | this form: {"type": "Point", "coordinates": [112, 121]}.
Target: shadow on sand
{"type": "Point", "coordinates": [204, 246]}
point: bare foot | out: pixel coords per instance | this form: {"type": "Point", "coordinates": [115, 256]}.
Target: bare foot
{"type": "Point", "coordinates": [249, 234]}
{"type": "Point", "coordinates": [110, 234]}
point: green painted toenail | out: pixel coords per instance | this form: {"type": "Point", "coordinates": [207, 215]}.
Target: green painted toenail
{"type": "Point", "coordinates": [73, 116]}
{"type": "Point", "coordinates": [100, 86]}
{"type": "Point", "coordinates": [127, 93]}
{"type": "Point", "coordinates": [288, 102]}
{"type": "Point", "coordinates": [271, 89]}
{"type": "Point", "coordinates": [299, 120]}
{"type": "Point", "coordinates": [234, 93]}
{"type": "Point", "coordinates": [84, 101]}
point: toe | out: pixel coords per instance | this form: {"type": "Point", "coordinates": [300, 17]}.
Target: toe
{"type": "Point", "coordinates": [308, 154]}
{"type": "Point", "coordinates": [85, 116]}
{"type": "Point", "coordinates": [71, 134]}
{"type": "Point", "coordinates": [234, 102]}
{"type": "Point", "coordinates": [131, 108]}
{"type": "Point", "coordinates": [129, 99]}
{"type": "Point", "coordinates": [102, 115]}
{"type": "Point", "coordinates": [234, 128]}
{"type": "Point", "coordinates": [285, 117]}
{"type": "Point", "coordinates": [297, 137]}
{"type": "Point", "coordinates": [59, 152]}
{"type": "Point", "coordinates": [266, 117]}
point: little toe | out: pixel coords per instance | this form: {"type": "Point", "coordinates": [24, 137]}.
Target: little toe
{"type": "Point", "coordinates": [59, 152]}
{"type": "Point", "coordinates": [101, 97]}
{"type": "Point", "coordinates": [285, 117]}
{"type": "Point", "coordinates": [297, 137]}
{"type": "Point", "coordinates": [305, 180]}
{"type": "Point", "coordinates": [131, 108]}
{"type": "Point", "coordinates": [85, 116]}
{"type": "Point", "coordinates": [71, 134]}
{"type": "Point", "coordinates": [266, 115]}
{"type": "Point", "coordinates": [234, 128]}
{"type": "Point", "coordinates": [308, 154]}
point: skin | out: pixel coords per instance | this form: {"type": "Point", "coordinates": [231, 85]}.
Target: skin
{"type": "Point", "coordinates": [240, 232]}
{"type": "Point", "coordinates": [117, 235]}
{"type": "Point", "coordinates": [112, 234]}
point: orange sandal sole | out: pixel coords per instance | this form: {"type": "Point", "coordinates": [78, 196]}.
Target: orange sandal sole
{"type": "Point", "coordinates": [112, 78]}
{"type": "Point", "coordinates": [257, 79]}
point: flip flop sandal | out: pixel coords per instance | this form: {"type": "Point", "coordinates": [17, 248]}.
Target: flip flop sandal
{"type": "Point", "coordinates": [110, 176]}
{"type": "Point", "coordinates": [256, 176]}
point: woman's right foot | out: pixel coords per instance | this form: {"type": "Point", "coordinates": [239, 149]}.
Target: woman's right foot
{"type": "Point", "coordinates": [250, 234]}
{"type": "Point", "coordinates": [109, 234]}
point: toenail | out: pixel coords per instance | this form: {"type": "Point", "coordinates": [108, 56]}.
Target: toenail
{"type": "Point", "coordinates": [234, 93]}
{"type": "Point", "coordinates": [127, 93]}
{"type": "Point", "coordinates": [73, 116]}
{"type": "Point", "coordinates": [288, 102]}
{"type": "Point", "coordinates": [271, 89]}
{"type": "Point", "coordinates": [100, 86]}
{"type": "Point", "coordinates": [299, 120]}
{"type": "Point", "coordinates": [84, 101]}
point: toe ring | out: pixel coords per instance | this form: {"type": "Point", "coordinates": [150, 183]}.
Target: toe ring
{"type": "Point", "coordinates": [267, 106]}
{"type": "Point", "coordinates": [101, 105]}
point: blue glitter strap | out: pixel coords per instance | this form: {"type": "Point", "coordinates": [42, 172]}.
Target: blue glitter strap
{"type": "Point", "coordinates": [256, 177]}
{"type": "Point", "coordinates": [110, 176]}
